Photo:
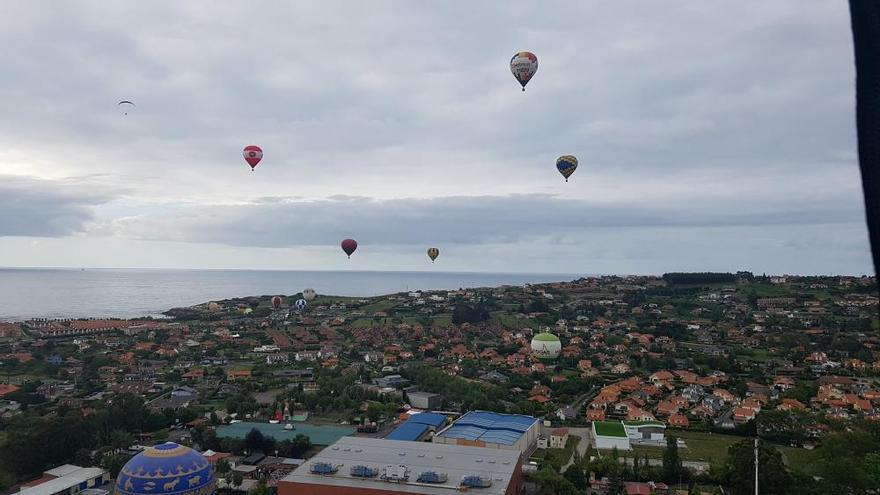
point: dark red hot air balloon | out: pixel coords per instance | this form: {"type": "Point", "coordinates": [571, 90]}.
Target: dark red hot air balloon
{"type": "Point", "coordinates": [276, 302]}
{"type": "Point", "coordinates": [252, 155]}
{"type": "Point", "coordinates": [349, 245]}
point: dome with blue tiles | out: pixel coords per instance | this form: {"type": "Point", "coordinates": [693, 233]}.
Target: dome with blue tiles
{"type": "Point", "coordinates": [167, 469]}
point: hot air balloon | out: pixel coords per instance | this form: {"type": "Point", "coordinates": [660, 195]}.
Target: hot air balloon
{"type": "Point", "coordinates": [523, 65]}
{"type": "Point", "coordinates": [276, 302]}
{"type": "Point", "coordinates": [252, 155]}
{"type": "Point", "coordinates": [301, 304]}
{"type": "Point", "coordinates": [566, 165]}
{"type": "Point", "coordinates": [349, 245]}
{"type": "Point", "coordinates": [309, 294]}
{"type": "Point", "coordinates": [126, 106]}
{"type": "Point", "coordinates": [433, 253]}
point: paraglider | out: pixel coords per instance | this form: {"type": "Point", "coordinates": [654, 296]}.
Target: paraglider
{"type": "Point", "coordinates": [349, 245]}
{"type": "Point", "coordinates": [126, 106]}
{"type": "Point", "coordinates": [523, 65]}
{"type": "Point", "coordinates": [566, 165]}
{"type": "Point", "coordinates": [309, 294]}
{"type": "Point", "coordinates": [301, 305]}
{"type": "Point", "coordinates": [433, 253]}
{"type": "Point", "coordinates": [252, 155]}
{"type": "Point", "coordinates": [276, 302]}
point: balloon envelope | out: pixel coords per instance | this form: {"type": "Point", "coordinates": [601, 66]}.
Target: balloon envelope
{"type": "Point", "coordinates": [252, 155]}
{"type": "Point", "coordinates": [301, 304]}
{"type": "Point", "coordinates": [566, 165]}
{"type": "Point", "coordinates": [433, 253]}
{"type": "Point", "coordinates": [276, 302]}
{"type": "Point", "coordinates": [349, 245]}
{"type": "Point", "coordinates": [523, 65]}
{"type": "Point", "coordinates": [309, 294]}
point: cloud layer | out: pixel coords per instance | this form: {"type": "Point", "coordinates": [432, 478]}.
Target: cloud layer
{"type": "Point", "coordinates": [398, 123]}
{"type": "Point", "coordinates": [47, 208]}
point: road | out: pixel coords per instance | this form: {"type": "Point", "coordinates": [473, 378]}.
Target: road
{"type": "Point", "coordinates": [586, 437]}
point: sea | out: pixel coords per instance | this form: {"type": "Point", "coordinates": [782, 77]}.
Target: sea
{"type": "Point", "coordinates": [27, 293]}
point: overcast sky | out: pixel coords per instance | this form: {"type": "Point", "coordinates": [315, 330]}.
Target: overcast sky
{"type": "Point", "coordinates": [712, 135]}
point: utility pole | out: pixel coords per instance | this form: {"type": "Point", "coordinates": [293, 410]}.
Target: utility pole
{"type": "Point", "coordinates": [756, 465]}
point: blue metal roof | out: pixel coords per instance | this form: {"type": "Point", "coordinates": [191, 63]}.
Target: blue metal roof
{"type": "Point", "coordinates": [490, 427]}
{"type": "Point", "coordinates": [408, 431]}
{"type": "Point", "coordinates": [428, 418]}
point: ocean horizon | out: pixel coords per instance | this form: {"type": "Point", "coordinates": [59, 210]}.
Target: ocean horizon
{"type": "Point", "coordinates": [27, 293]}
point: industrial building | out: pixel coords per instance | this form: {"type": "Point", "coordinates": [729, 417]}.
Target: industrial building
{"type": "Point", "coordinates": [66, 480]}
{"type": "Point", "coordinates": [371, 466]}
{"type": "Point", "coordinates": [492, 430]}
{"type": "Point", "coordinates": [610, 434]}
{"type": "Point", "coordinates": [645, 432]}
{"type": "Point", "coordinates": [418, 427]}
{"type": "Point", "coordinates": [424, 400]}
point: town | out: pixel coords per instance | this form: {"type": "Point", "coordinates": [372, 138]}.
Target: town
{"type": "Point", "coordinates": [604, 385]}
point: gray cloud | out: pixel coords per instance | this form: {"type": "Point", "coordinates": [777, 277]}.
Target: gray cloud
{"type": "Point", "coordinates": [47, 208]}
{"type": "Point", "coordinates": [398, 122]}
{"type": "Point", "coordinates": [453, 220]}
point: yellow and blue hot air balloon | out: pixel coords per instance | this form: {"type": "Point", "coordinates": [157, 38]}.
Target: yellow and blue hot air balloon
{"type": "Point", "coordinates": [566, 164]}
{"type": "Point", "coordinates": [433, 253]}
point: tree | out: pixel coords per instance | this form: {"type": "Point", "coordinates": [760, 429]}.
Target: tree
{"type": "Point", "coordinates": [671, 461]}
{"type": "Point", "coordinates": [637, 475]}
{"type": "Point", "coordinates": [872, 468]}
{"type": "Point", "coordinates": [774, 477]}
{"type": "Point", "coordinates": [374, 411]}
{"type": "Point", "coordinates": [575, 475]}
{"type": "Point", "coordinates": [254, 440]}
{"type": "Point", "coordinates": [552, 483]}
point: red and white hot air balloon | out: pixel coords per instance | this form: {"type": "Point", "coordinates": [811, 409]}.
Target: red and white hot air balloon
{"type": "Point", "coordinates": [252, 155]}
{"type": "Point", "coordinates": [276, 302]}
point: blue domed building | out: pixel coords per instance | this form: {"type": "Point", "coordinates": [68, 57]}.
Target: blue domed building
{"type": "Point", "coordinates": [167, 469]}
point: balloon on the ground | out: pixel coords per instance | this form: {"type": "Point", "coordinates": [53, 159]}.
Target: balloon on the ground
{"type": "Point", "coordinates": [349, 245]}
{"type": "Point", "coordinates": [523, 65]}
{"type": "Point", "coordinates": [309, 294]}
{"type": "Point", "coordinates": [252, 155]}
{"type": "Point", "coordinates": [433, 253]}
{"type": "Point", "coordinates": [566, 165]}
{"type": "Point", "coordinates": [301, 304]}
{"type": "Point", "coordinates": [126, 106]}
{"type": "Point", "coordinates": [276, 302]}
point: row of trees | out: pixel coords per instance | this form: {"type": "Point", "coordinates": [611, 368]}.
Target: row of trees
{"type": "Point", "coordinates": [33, 443]}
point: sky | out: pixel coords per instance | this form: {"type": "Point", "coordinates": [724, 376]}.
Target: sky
{"type": "Point", "coordinates": [710, 135]}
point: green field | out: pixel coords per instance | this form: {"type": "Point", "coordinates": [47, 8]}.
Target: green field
{"type": "Point", "coordinates": [557, 457]}
{"type": "Point", "coordinates": [610, 429]}
{"type": "Point", "coordinates": [383, 305]}
{"type": "Point", "coordinates": [702, 446]}
{"type": "Point", "coordinates": [800, 459]}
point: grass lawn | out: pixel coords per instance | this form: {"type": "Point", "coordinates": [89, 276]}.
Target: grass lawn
{"type": "Point", "coordinates": [383, 305]}
{"type": "Point", "coordinates": [800, 459]}
{"type": "Point", "coordinates": [763, 290]}
{"type": "Point", "coordinates": [557, 457]}
{"type": "Point", "coordinates": [704, 446]}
